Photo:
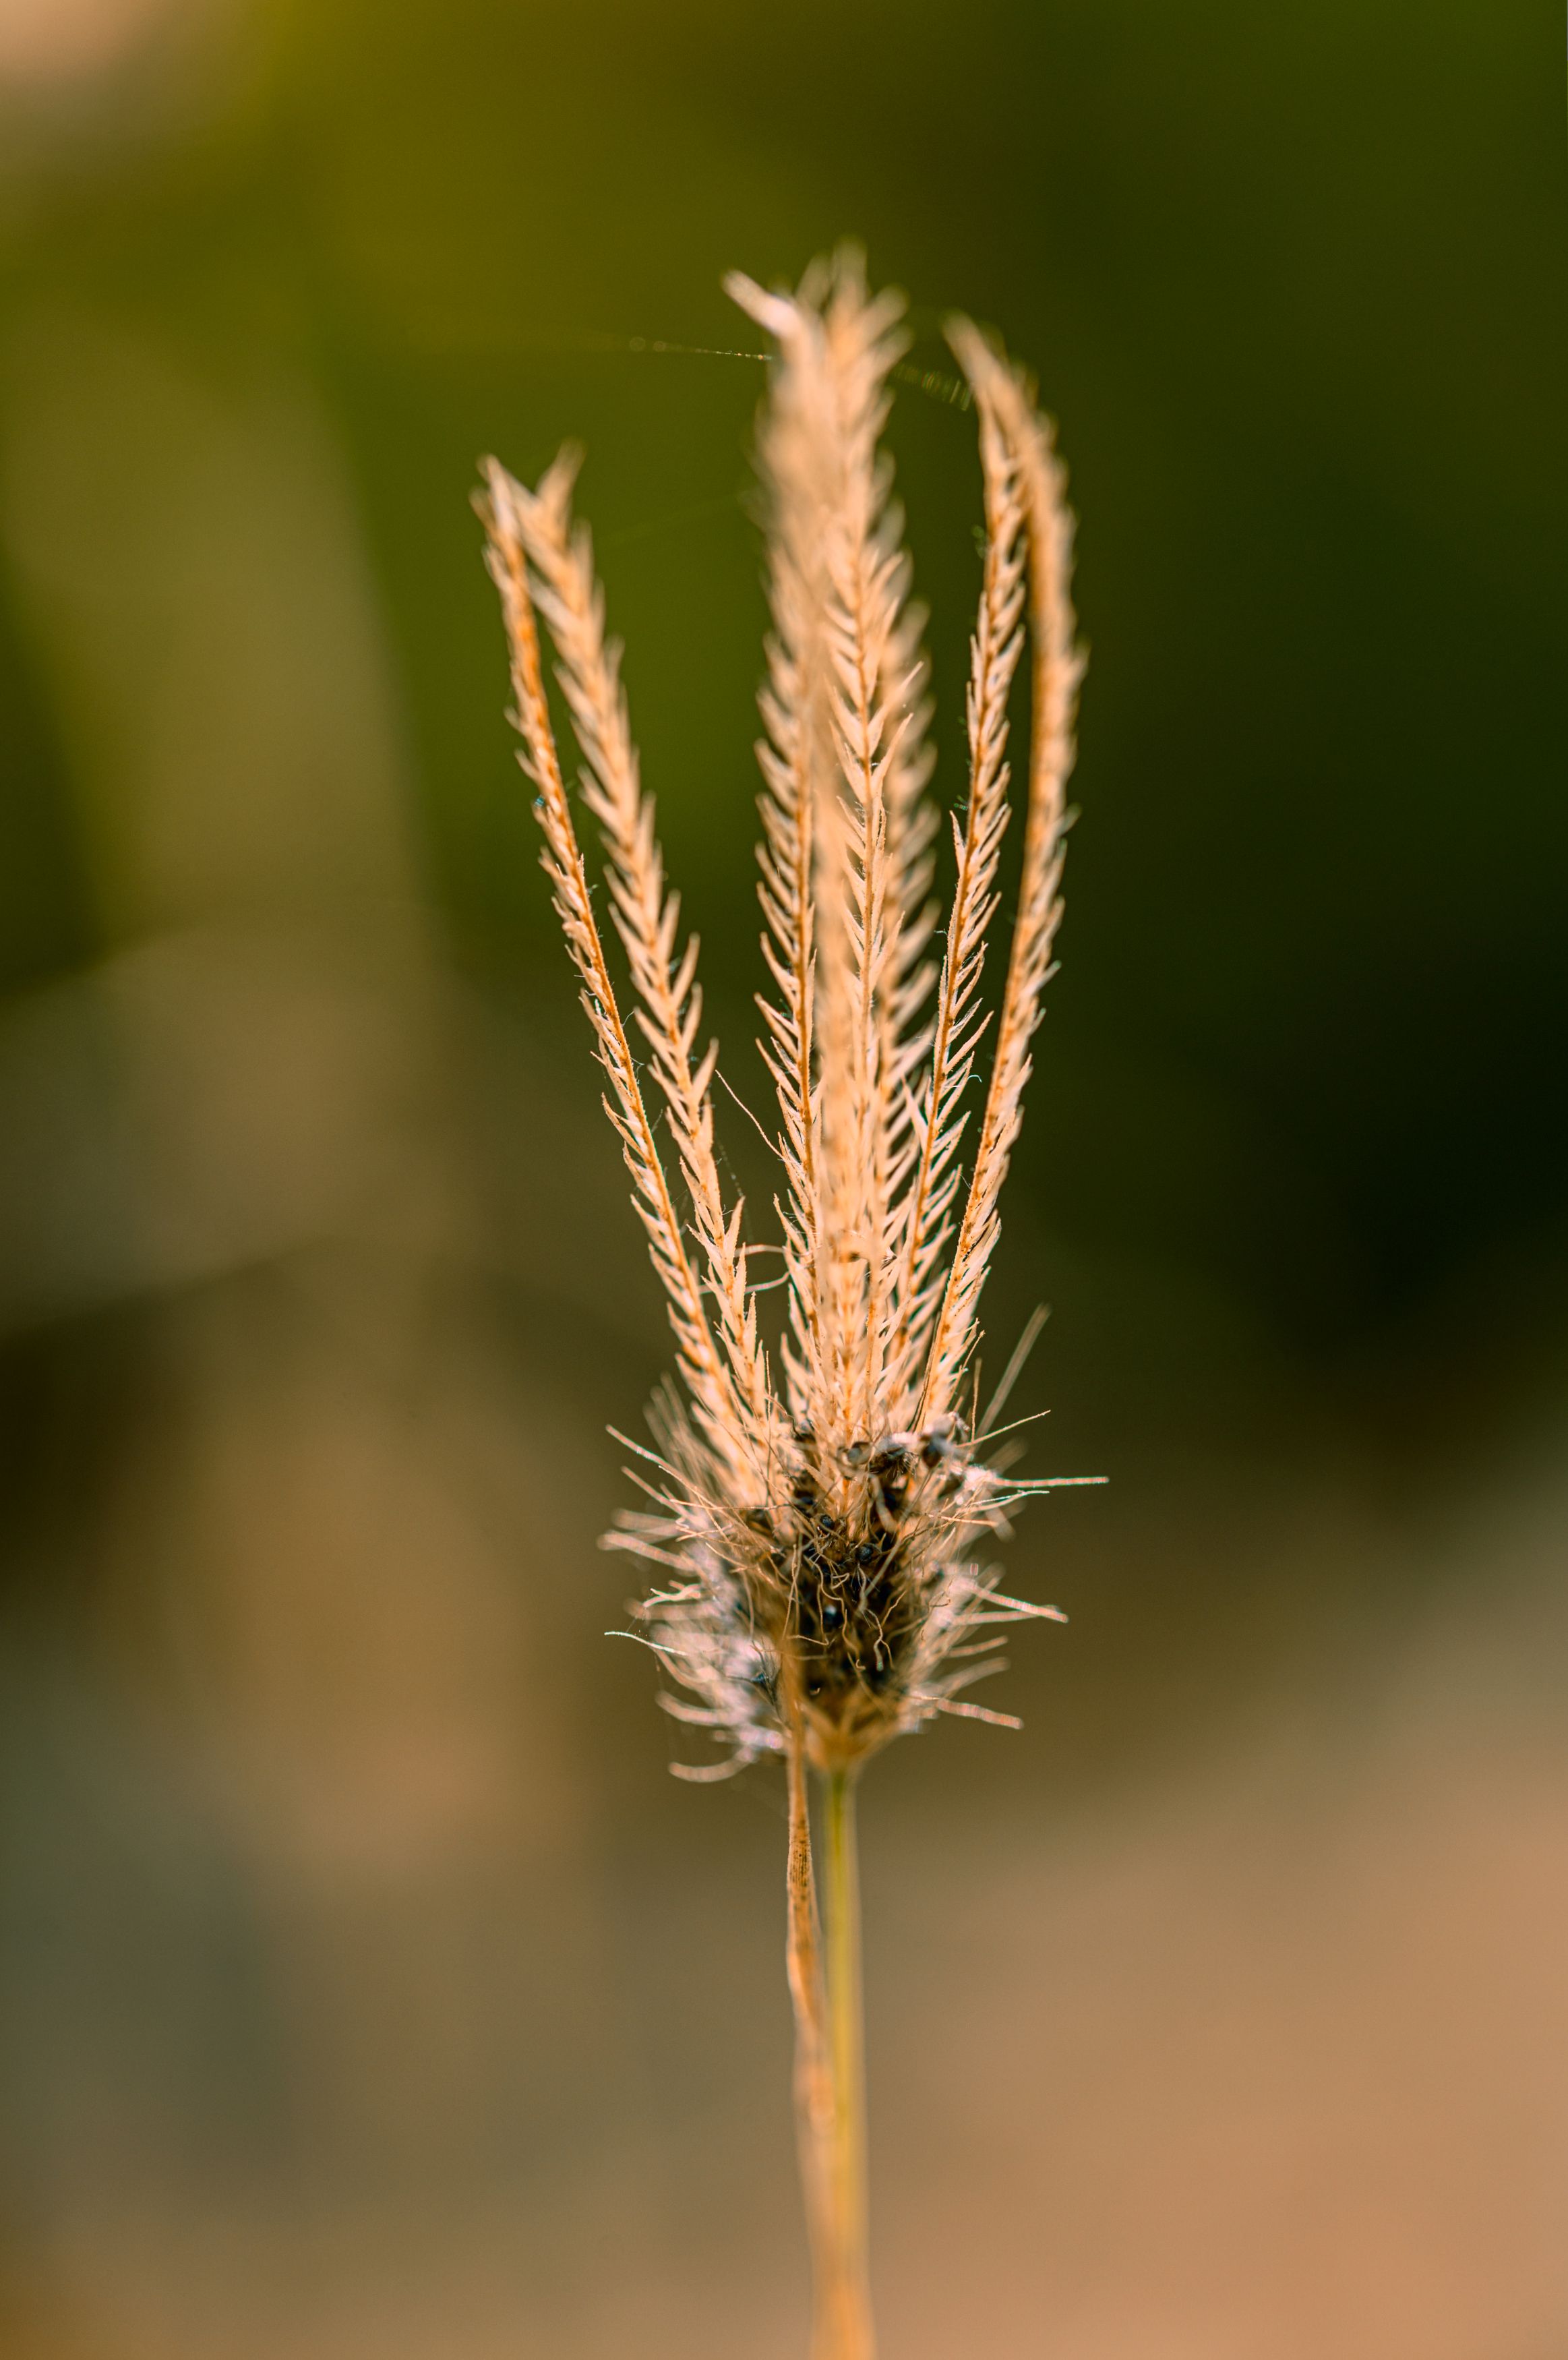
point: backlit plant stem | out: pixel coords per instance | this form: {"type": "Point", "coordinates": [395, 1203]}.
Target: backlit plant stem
{"type": "Point", "coordinates": [847, 2323]}
{"type": "Point", "coordinates": [825, 1987]}
{"type": "Point", "coordinates": [815, 2105]}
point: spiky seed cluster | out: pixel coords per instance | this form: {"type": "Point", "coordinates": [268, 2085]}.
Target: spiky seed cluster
{"type": "Point", "coordinates": [822, 1528]}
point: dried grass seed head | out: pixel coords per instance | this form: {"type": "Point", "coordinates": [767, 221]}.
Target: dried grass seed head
{"type": "Point", "coordinates": [820, 1524]}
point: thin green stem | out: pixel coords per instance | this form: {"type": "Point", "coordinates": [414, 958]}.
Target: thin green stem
{"type": "Point", "coordinates": [815, 2106]}
{"type": "Point", "coordinates": [848, 2308]}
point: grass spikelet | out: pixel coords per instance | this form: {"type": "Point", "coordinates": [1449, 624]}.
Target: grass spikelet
{"type": "Point", "coordinates": [822, 1529]}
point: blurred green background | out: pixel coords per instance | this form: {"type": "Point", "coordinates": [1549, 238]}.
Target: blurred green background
{"type": "Point", "coordinates": [363, 1983]}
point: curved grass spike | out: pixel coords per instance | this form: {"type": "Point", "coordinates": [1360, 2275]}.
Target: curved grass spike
{"type": "Point", "coordinates": [709, 1383]}
{"type": "Point", "coordinates": [822, 1540]}
{"type": "Point", "coordinates": [1004, 397]}
{"type": "Point", "coordinates": [960, 1020]}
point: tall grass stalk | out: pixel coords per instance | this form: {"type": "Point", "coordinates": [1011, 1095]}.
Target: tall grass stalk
{"type": "Point", "coordinates": [847, 2331]}
{"type": "Point", "coordinates": [819, 1506]}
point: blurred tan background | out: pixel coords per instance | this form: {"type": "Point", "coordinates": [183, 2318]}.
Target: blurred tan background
{"type": "Point", "coordinates": [365, 1986]}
